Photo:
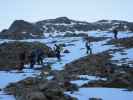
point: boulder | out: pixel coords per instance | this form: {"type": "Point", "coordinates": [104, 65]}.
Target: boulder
{"type": "Point", "coordinates": [66, 51]}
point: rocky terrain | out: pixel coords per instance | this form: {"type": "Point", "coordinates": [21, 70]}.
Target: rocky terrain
{"type": "Point", "coordinates": [9, 53]}
{"type": "Point", "coordinates": [21, 29]}
{"type": "Point", "coordinates": [124, 42]}
{"type": "Point", "coordinates": [53, 84]}
{"type": "Point", "coordinates": [41, 89]}
{"type": "Point", "coordinates": [44, 87]}
{"type": "Point", "coordinates": [109, 66]}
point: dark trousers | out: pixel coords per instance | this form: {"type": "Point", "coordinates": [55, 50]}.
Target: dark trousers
{"type": "Point", "coordinates": [58, 56]}
{"type": "Point", "coordinates": [21, 66]}
{"type": "Point", "coordinates": [88, 50]}
{"type": "Point", "coordinates": [32, 63]}
{"type": "Point", "coordinates": [40, 60]}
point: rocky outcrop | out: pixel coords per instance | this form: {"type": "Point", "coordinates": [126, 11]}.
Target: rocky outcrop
{"type": "Point", "coordinates": [10, 52]}
{"type": "Point", "coordinates": [21, 29]}
{"type": "Point", "coordinates": [38, 89]}
{"type": "Point", "coordinates": [91, 64]}
{"type": "Point", "coordinates": [122, 42]}
{"type": "Point", "coordinates": [64, 24]}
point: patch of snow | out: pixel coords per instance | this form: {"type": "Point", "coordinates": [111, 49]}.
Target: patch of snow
{"type": "Point", "coordinates": [4, 96]}
{"type": "Point", "coordinates": [91, 77]}
{"type": "Point", "coordinates": [50, 77]}
{"type": "Point", "coordinates": [9, 77]}
{"type": "Point", "coordinates": [103, 93]}
{"type": "Point", "coordinates": [80, 82]}
{"type": "Point", "coordinates": [85, 79]}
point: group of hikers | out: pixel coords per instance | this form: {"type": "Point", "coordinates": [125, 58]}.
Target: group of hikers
{"type": "Point", "coordinates": [88, 44]}
{"type": "Point", "coordinates": [37, 55]}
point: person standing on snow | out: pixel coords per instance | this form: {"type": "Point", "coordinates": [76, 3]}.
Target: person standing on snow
{"type": "Point", "coordinates": [88, 47]}
{"type": "Point", "coordinates": [115, 34]}
{"type": "Point", "coordinates": [58, 52]}
{"type": "Point", "coordinates": [40, 55]}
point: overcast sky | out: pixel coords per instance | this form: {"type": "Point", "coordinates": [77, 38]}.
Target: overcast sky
{"type": "Point", "coordinates": [84, 10]}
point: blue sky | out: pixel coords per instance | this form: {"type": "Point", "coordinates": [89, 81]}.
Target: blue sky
{"type": "Point", "coordinates": [84, 10]}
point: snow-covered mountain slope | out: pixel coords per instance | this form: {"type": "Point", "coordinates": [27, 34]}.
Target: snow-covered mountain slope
{"type": "Point", "coordinates": [21, 29]}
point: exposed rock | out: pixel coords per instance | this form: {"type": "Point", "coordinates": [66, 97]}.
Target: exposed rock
{"type": "Point", "coordinates": [95, 99]}
{"type": "Point", "coordinates": [69, 86]}
{"type": "Point", "coordinates": [9, 53]}
{"type": "Point", "coordinates": [36, 96]}
{"type": "Point", "coordinates": [94, 39]}
{"type": "Point", "coordinates": [21, 29]}
{"type": "Point", "coordinates": [92, 64]}
{"type": "Point", "coordinates": [66, 51]}
{"type": "Point", "coordinates": [38, 90]}
{"type": "Point", "coordinates": [124, 42]}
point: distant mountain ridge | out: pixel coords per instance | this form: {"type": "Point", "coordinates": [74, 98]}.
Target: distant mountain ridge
{"type": "Point", "coordinates": [21, 29]}
{"type": "Point", "coordinates": [63, 24]}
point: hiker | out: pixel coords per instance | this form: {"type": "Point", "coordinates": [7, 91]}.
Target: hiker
{"type": "Point", "coordinates": [88, 47]}
{"type": "Point", "coordinates": [58, 51]}
{"type": "Point", "coordinates": [32, 59]}
{"type": "Point", "coordinates": [40, 55]}
{"type": "Point", "coordinates": [115, 33]}
{"type": "Point", "coordinates": [22, 57]}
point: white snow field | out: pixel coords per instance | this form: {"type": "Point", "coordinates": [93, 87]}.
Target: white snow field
{"type": "Point", "coordinates": [103, 93]}
{"type": "Point", "coordinates": [76, 46]}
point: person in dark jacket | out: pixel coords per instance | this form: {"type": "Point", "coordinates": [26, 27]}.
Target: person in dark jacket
{"type": "Point", "coordinates": [22, 57]}
{"type": "Point", "coordinates": [88, 47]}
{"type": "Point", "coordinates": [115, 34]}
{"type": "Point", "coordinates": [58, 52]}
{"type": "Point", "coordinates": [40, 56]}
{"type": "Point", "coordinates": [32, 59]}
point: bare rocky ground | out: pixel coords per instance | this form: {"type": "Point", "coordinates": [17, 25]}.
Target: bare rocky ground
{"type": "Point", "coordinates": [100, 65]}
